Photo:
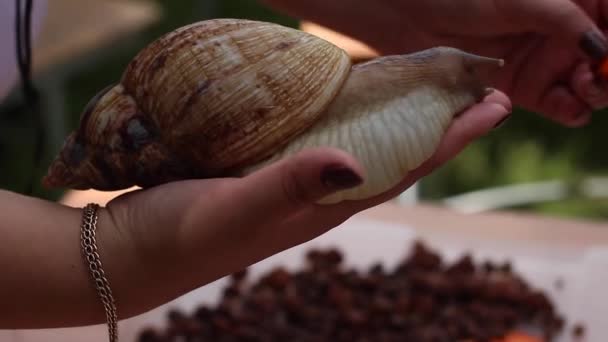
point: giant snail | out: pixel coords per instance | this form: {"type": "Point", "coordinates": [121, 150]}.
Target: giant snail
{"type": "Point", "coordinates": [225, 97]}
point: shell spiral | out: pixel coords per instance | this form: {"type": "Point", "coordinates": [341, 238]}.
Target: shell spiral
{"type": "Point", "coordinates": [202, 101]}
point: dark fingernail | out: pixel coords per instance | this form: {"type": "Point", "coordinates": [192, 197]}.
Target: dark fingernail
{"type": "Point", "coordinates": [340, 177]}
{"type": "Point", "coordinates": [594, 44]}
{"type": "Point", "coordinates": [502, 121]}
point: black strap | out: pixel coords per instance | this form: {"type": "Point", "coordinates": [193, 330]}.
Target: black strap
{"type": "Point", "coordinates": [23, 23]}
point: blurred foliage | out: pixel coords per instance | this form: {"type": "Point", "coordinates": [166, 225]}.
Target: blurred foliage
{"type": "Point", "coordinates": [529, 148]}
{"type": "Point", "coordinates": [16, 147]}
{"type": "Point", "coordinates": [526, 148]}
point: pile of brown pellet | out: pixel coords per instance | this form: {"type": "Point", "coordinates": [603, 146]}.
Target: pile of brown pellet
{"type": "Point", "coordinates": [423, 299]}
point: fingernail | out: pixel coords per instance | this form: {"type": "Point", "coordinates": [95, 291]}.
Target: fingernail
{"type": "Point", "coordinates": [594, 44]}
{"type": "Point", "coordinates": [340, 177]}
{"type": "Point", "coordinates": [502, 121]}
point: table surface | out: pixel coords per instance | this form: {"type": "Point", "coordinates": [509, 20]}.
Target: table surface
{"type": "Point", "coordinates": [429, 219]}
{"type": "Point", "coordinates": [74, 27]}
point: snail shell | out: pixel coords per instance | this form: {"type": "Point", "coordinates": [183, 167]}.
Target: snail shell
{"type": "Point", "coordinates": [225, 97]}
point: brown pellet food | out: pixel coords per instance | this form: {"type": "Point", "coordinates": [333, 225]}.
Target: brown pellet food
{"type": "Point", "coordinates": [422, 299]}
{"type": "Point", "coordinates": [578, 331]}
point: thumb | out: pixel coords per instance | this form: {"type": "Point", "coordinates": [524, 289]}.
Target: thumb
{"type": "Point", "coordinates": [562, 18]}
{"type": "Point", "coordinates": [289, 185]}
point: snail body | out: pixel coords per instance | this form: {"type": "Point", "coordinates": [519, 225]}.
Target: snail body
{"type": "Point", "coordinates": [225, 97]}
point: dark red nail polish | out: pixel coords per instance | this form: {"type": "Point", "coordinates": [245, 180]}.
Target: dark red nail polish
{"type": "Point", "coordinates": [502, 121]}
{"type": "Point", "coordinates": [594, 44]}
{"type": "Point", "coordinates": [340, 177]}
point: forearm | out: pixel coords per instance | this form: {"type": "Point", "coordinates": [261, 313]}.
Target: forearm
{"type": "Point", "coordinates": [45, 282]}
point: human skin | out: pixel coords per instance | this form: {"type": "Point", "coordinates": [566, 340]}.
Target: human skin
{"type": "Point", "coordinates": [160, 243]}
{"type": "Point", "coordinates": [546, 72]}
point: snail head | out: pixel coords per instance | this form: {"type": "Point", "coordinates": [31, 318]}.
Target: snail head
{"type": "Point", "coordinates": [452, 69]}
{"type": "Point", "coordinates": [465, 70]}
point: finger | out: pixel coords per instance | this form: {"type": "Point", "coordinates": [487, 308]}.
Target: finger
{"type": "Point", "coordinates": [289, 185]}
{"type": "Point", "coordinates": [587, 89]}
{"type": "Point", "coordinates": [562, 18]}
{"type": "Point", "coordinates": [516, 59]}
{"type": "Point", "coordinates": [541, 71]}
{"type": "Point", "coordinates": [539, 89]}
{"type": "Point", "coordinates": [474, 123]}
{"type": "Point", "coordinates": [591, 8]}
{"type": "Point", "coordinates": [470, 125]}
{"type": "Point", "coordinates": [562, 106]}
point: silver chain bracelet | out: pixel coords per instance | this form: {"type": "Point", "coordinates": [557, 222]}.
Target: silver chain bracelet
{"type": "Point", "coordinates": [89, 250]}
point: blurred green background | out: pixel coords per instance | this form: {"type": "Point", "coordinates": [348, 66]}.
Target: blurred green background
{"type": "Point", "coordinates": [527, 148]}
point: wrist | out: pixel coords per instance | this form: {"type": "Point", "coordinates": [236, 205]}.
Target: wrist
{"type": "Point", "coordinates": [140, 278]}
{"type": "Point", "coordinates": [120, 264]}
{"type": "Point", "coordinates": [150, 265]}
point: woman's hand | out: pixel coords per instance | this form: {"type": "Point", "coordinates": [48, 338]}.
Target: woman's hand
{"type": "Point", "coordinates": [160, 243]}
{"type": "Point", "coordinates": [189, 233]}
{"type": "Point", "coordinates": [545, 70]}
